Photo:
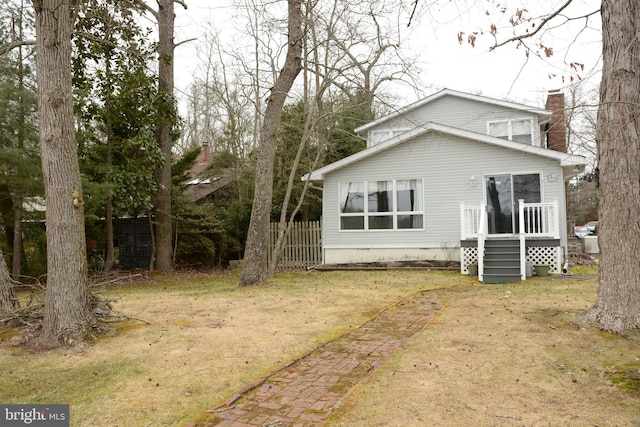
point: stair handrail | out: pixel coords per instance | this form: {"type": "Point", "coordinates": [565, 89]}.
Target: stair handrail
{"type": "Point", "coordinates": [482, 237]}
{"type": "Point", "coordinates": [523, 255]}
{"type": "Point", "coordinates": [556, 219]}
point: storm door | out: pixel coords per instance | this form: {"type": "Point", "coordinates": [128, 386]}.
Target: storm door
{"type": "Point", "coordinates": [503, 193]}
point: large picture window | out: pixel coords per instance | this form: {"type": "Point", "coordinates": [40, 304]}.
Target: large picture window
{"type": "Point", "coordinates": [519, 130]}
{"type": "Point", "coordinates": [388, 205]}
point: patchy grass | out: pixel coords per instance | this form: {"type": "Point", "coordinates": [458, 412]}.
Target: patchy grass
{"type": "Point", "coordinates": [500, 355]}
{"type": "Point", "coordinates": [627, 377]}
{"type": "Point", "coordinates": [206, 340]}
{"type": "Point", "coordinates": [507, 355]}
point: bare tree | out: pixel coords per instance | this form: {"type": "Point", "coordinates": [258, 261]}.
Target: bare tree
{"type": "Point", "coordinates": [581, 114]}
{"type": "Point", "coordinates": [222, 94]}
{"type": "Point", "coordinates": [284, 225]}
{"type": "Point", "coordinates": [369, 40]}
{"type": "Point", "coordinates": [617, 307]}
{"type": "Point", "coordinates": [68, 318]}
{"type": "Point", "coordinates": [254, 271]}
{"type": "Point", "coordinates": [350, 49]}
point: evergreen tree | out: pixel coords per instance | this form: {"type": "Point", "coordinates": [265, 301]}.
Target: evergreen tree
{"type": "Point", "coordinates": [115, 94]}
{"type": "Point", "coordinates": [20, 168]}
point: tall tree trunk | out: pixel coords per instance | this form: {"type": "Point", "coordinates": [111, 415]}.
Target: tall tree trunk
{"type": "Point", "coordinates": [109, 249]}
{"type": "Point", "coordinates": [254, 270]}
{"type": "Point", "coordinates": [8, 300]}
{"type": "Point", "coordinates": [16, 259]}
{"type": "Point", "coordinates": [618, 135]}
{"type": "Point", "coordinates": [7, 209]}
{"type": "Point", "coordinates": [16, 250]}
{"type": "Point", "coordinates": [108, 106]}
{"type": "Point", "coordinates": [284, 225]}
{"type": "Point", "coordinates": [166, 46]}
{"type": "Point", "coordinates": [67, 313]}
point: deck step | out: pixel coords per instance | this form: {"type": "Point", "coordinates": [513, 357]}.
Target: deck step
{"type": "Point", "coordinates": [501, 261]}
{"type": "Point", "coordinates": [499, 279]}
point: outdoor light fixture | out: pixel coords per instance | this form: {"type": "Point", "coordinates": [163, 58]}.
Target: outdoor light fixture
{"type": "Point", "coordinates": [473, 181]}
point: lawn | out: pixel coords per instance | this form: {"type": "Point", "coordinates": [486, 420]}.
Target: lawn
{"type": "Point", "coordinates": [204, 340]}
{"type": "Point", "coordinates": [496, 355]}
{"type": "Point", "coordinates": [507, 355]}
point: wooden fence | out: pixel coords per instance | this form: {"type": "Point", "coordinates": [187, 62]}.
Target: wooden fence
{"type": "Point", "coordinates": [302, 247]}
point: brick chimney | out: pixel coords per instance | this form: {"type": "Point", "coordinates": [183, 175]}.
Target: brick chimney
{"type": "Point", "coordinates": [557, 127]}
{"type": "Point", "coordinates": [204, 153]}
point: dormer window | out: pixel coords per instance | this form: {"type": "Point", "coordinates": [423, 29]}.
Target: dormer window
{"type": "Point", "coordinates": [519, 130]}
{"type": "Point", "coordinates": [381, 135]}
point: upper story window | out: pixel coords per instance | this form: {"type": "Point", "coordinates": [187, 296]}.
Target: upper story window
{"type": "Point", "coordinates": [519, 130]}
{"type": "Point", "coordinates": [381, 135]}
{"type": "Point", "coordinates": [381, 205]}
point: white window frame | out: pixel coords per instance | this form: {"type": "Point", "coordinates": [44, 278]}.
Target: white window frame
{"type": "Point", "coordinates": [394, 212]}
{"type": "Point", "coordinates": [509, 123]}
{"type": "Point", "coordinates": [378, 136]}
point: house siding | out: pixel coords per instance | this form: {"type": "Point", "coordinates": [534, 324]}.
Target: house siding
{"type": "Point", "coordinates": [460, 113]}
{"type": "Point", "coordinates": [445, 163]}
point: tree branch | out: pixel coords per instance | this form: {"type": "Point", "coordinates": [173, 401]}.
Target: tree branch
{"type": "Point", "coordinates": [540, 27]}
{"type": "Point", "coordinates": [8, 47]}
{"type": "Point", "coordinates": [185, 41]}
{"type": "Point", "coordinates": [181, 3]}
{"type": "Point", "coordinates": [413, 12]}
{"type": "Point", "coordinates": [146, 8]}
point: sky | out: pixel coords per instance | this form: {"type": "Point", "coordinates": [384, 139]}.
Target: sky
{"type": "Point", "coordinates": [505, 73]}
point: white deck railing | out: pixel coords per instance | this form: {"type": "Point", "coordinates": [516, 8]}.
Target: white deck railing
{"type": "Point", "coordinates": [539, 219]}
{"type": "Point", "coordinates": [474, 226]}
{"type": "Point", "coordinates": [535, 220]}
{"type": "Point", "coordinates": [471, 216]}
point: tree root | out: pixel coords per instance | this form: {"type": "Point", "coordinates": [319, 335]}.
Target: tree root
{"type": "Point", "coordinates": [615, 323]}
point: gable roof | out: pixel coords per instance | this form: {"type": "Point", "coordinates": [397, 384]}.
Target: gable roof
{"type": "Point", "coordinates": [455, 93]}
{"type": "Point", "coordinates": [201, 182]}
{"type": "Point", "coordinates": [565, 159]}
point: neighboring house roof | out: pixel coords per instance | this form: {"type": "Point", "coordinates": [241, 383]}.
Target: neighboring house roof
{"type": "Point", "coordinates": [565, 159]}
{"type": "Point", "coordinates": [203, 164]}
{"type": "Point", "coordinates": [201, 183]}
{"type": "Point", "coordinates": [449, 92]}
{"type": "Point", "coordinates": [34, 204]}
{"type": "Point", "coordinates": [199, 188]}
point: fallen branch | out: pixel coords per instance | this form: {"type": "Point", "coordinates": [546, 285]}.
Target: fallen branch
{"type": "Point", "coordinates": [33, 313]}
{"type": "Point", "coordinates": [117, 279]}
{"type": "Point", "coordinates": [116, 319]}
{"type": "Point", "coordinates": [511, 417]}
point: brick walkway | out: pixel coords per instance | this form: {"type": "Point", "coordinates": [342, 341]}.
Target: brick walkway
{"type": "Point", "coordinates": [306, 390]}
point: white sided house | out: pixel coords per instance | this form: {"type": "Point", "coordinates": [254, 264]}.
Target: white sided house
{"type": "Point", "coordinates": [454, 176]}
